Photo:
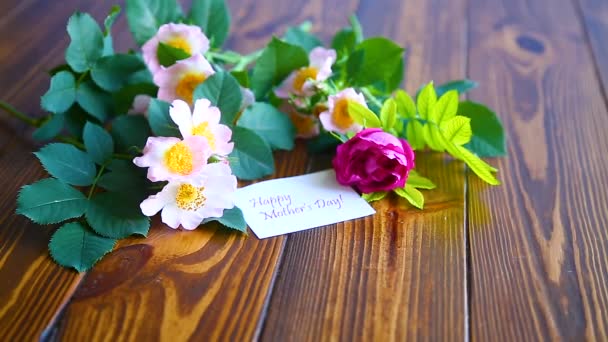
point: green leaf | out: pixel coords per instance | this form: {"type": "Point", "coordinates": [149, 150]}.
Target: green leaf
{"type": "Point", "coordinates": [75, 119]}
{"type": "Point", "coordinates": [276, 62]}
{"type": "Point", "coordinates": [461, 86]}
{"type": "Point", "coordinates": [86, 45]}
{"type": "Point", "coordinates": [242, 77]}
{"type": "Point", "coordinates": [426, 101]}
{"type": "Point", "coordinates": [130, 132]}
{"type": "Point", "coordinates": [127, 179]}
{"type": "Point", "coordinates": [381, 59]}
{"type": "Point", "coordinates": [123, 99]}
{"type": "Point", "coordinates": [75, 246]}
{"type": "Point", "coordinates": [433, 137]}
{"type": "Point", "coordinates": [306, 40]}
{"type": "Point", "coordinates": [270, 124]}
{"type": "Point", "coordinates": [98, 142]}
{"type": "Point", "coordinates": [167, 55]}
{"type": "Point", "coordinates": [94, 100]}
{"type": "Point", "coordinates": [160, 121]}
{"type": "Point", "coordinates": [111, 73]}
{"type": "Point", "coordinates": [388, 114]}
{"type": "Point", "coordinates": [322, 143]}
{"type": "Point", "coordinates": [457, 130]}
{"type": "Point", "coordinates": [419, 182]}
{"type": "Point", "coordinates": [252, 157]}
{"type": "Point", "coordinates": [415, 134]}
{"type": "Point", "coordinates": [213, 16]}
{"type": "Point", "coordinates": [224, 91]}
{"type": "Point", "coordinates": [488, 134]}
{"type": "Point", "coordinates": [233, 219]}
{"type": "Point", "coordinates": [50, 201]}
{"type": "Point", "coordinates": [61, 94]}
{"type": "Point", "coordinates": [344, 42]}
{"type": "Point", "coordinates": [50, 129]}
{"type": "Point", "coordinates": [405, 105]}
{"type": "Point", "coordinates": [412, 195]}
{"type": "Point", "coordinates": [374, 196]}
{"type": "Point", "coordinates": [67, 163]}
{"type": "Point", "coordinates": [146, 16]}
{"type": "Point", "coordinates": [116, 216]}
{"type": "Point", "coordinates": [363, 116]}
{"type": "Point", "coordinates": [356, 26]}
{"type": "Point", "coordinates": [445, 108]}
{"type": "Point", "coordinates": [481, 168]}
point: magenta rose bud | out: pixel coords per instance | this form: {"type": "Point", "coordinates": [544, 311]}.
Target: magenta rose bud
{"type": "Point", "coordinates": [373, 160]}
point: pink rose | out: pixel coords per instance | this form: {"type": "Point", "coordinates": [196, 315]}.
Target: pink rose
{"type": "Point", "coordinates": [373, 160]}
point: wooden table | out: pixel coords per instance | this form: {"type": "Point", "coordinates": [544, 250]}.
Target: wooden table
{"type": "Point", "coordinates": [520, 262]}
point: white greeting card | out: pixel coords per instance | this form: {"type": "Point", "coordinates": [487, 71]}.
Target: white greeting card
{"type": "Point", "coordinates": [288, 205]}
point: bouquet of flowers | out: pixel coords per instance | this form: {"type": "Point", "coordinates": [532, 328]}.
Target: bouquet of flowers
{"type": "Point", "coordinates": [169, 128]}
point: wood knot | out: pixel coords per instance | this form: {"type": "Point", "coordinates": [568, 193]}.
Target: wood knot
{"type": "Point", "coordinates": [530, 44]}
{"type": "Point", "coordinates": [114, 270]}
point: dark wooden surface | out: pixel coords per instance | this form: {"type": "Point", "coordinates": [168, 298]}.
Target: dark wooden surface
{"type": "Point", "coordinates": [520, 262]}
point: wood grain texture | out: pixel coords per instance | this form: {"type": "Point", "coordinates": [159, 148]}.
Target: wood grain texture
{"type": "Point", "coordinates": [539, 243]}
{"type": "Point", "coordinates": [594, 15]}
{"type": "Point", "coordinates": [33, 289]}
{"type": "Point", "coordinates": [398, 275]}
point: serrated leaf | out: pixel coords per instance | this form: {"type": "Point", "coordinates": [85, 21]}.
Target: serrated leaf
{"type": "Point", "coordinates": [168, 55]}
{"type": "Point", "coordinates": [270, 124]}
{"type": "Point", "coordinates": [488, 134]}
{"type": "Point", "coordinates": [433, 138]}
{"type": "Point", "coordinates": [426, 101]}
{"type": "Point", "coordinates": [457, 130]}
{"type": "Point", "coordinates": [111, 73]}
{"type": "Point", "coordinates": [242, 77]}
{"type": "Point", "coordinates": [405, 105]}
{"type": "Point", "coordinates": [419, 182]}
{"type": "Point", "coordinates": [116, 216]}
{"type": "Point", "coordinates": [276, 62]}
{"type": "Point", "coordinates": [374, 196]}
{"type": "Point", "coordinates": [160, 121]}
{"type": "Point", "coordinates": [224, 92]}
{"type": "Point", "coordinates": [213, 16]}
{"type": "Point", "coordinates": [362, 115]}
{"type": "Point", "coordinates": [130, 132]}
{"type": "Point", "coordinates": [129, 180]}
{"type": "Point", "coordinates": [50, 129]}
{"type": "Point", "coordinates": [382, 58]}
{"type": "Point", "coordinates": [252, 157]}
{"type": "Point", "coordinates": [388, 114]}
{"type": "Point", "coordinates": [98, 142]}
{"type": "Point", "coordinates": [414, 133]}
{"type": "Point", "coordinates": [67, 163]}
{"type": "Point", "coordinates": [50, 201]}
{"type": "Point", "coordinates": [481, 168]}
{"type": "Point", "coordinates": [94, 101]}
{"type": "Point", "coordinates": [412, 195]}
{"type": "Point", "coordinates": [74, 245]}
{"type": "Point", "coordinates": [233, 219]}
{"type": "Point", "coordinates": [344, 42]}
{"type": "Point", "coordinates": [445, 108]}
{"type": "Point", "coordinates": [461, 86]}
{"type": "Point", "coordinates": [61, 94]}
{"type": "Point", "coordinates": [86, 45]}
{"type": "Point", "coordinates": [146, 16]}
{"type": "Point", "coordinates": [306, 40]}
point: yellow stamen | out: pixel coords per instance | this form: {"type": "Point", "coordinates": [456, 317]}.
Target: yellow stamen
{"type": "Point", "coordinates": [203, 130]}
{"type": "Point", "coordinates": [179, 159]}
{"type": "Point", "coordinates": [180, 43]}
{"type": "Point", "coordinates": [305, 124]}
{"type": "Point", "coordinates": [187, 84]}
{"type": "Point", "coordinates": [189, 197]}
{"type": "Point", "coordinates": [303, 75]}
{"type": "Point", "coordinates": [340, 115]}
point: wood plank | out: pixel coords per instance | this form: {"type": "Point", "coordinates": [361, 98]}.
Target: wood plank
{"type": "Point", "coordinates": [33, 288]}
{"type": "Point", "coordinates": [400, 274]}
{"type": "Point", "coordinates": [538, 242]}
{"type": "Point", "coordinates": [595, 19]}
{"type": "Point", "coordinates": [201, 285]}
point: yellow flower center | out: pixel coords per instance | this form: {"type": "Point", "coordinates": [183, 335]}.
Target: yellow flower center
{"type": "Point", "coordinates": [203, 130]}
{"type": "Point", "coordinates": [180, 43]}
{"type": "Point", "coordinates": [189, 197]}
{"type": "Point", "coordinates": [303, 75]}
{"type": "Point", "coordinates": [340, 115]}
{"type": "Point", "coordinates": [179, 159]}
{"type": "Point", "coordinates": [187, 84]}
{"type": "Point", "coordinates": [305, 124]}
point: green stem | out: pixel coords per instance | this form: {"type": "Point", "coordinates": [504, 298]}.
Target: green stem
{"type": "Point", "coordinates": [231, 58]}
{"type": "Point", "coordinates": [92, 189]}
{"type": "Point", "coordinates": [356, 25]}
{"type": "Point", "coordinates": [82, 77]}
{"type": "Point", "coordinates": [18, 115]}
{"type": "Point", "coordinates": [368, 95]}
{"type": "Point", "coordinates": [246, 60]}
